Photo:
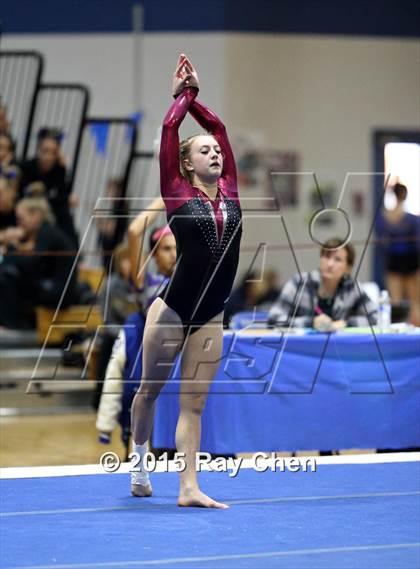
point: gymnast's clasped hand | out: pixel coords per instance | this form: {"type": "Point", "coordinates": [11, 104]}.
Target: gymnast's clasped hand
{"type": "Point", "coordinates": [184, 76]}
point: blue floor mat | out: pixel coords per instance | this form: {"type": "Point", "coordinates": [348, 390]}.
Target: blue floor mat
{"type": "Point", "coordinates": [341, 516]}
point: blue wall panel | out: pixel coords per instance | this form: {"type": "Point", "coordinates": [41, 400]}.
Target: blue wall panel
{"type": "Point", "coordinates": [358, 17]}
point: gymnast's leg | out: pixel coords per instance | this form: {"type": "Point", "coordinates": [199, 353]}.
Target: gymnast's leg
{"type": "Point", "coordinates": [412, 283]}
{"type": "Point", "coordinates": [200, 360]}
{"type": "Point", "coordinates": [162, 340]}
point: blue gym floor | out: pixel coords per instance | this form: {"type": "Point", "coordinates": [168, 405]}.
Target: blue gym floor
{"type": "Point", "coordinates": [342, 516]}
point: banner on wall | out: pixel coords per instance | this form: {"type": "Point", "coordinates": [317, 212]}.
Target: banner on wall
{"type": "Point", "coordinates": [255, 167]}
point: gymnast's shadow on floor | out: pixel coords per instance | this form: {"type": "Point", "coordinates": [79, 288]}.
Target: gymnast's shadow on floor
{"type": "Point", "coordinates": [159, 504]}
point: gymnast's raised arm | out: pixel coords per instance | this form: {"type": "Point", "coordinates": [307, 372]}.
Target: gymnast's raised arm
{"type": "Point", "coordinates": [208, 119]}
{"type": "Point", "coordinates": [170, 175]}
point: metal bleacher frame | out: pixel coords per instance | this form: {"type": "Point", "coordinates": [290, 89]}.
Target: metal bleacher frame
{"type": "Point", "coordinates": [55, 324]}
{"type": "Point", "coordinates": [37, 89]}
{"type": "Point", "coordinates": [93, 189]}
{"type": "Point", "coordinates": [39, 59]}
{"type": "Point", "coordinates": [57, 87]}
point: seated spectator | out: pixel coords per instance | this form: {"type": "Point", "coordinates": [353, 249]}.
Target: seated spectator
{"type": "Point", "coordinates": [252, 293]}
{"type": "Point", "coordinates": [7, 202]}
{"type": "Point", "coordinates": [269, 289]}
{"type": "Point", "coordinates": [7, 151]}
{"type": "Point", "coordinates": [122, 378]}
{"type": "Point", "coordinates": [124, 361]}
{"type": "Point", "coordinates": [111, 229]}
{"type": "Point", "coordinates": [144, 285]}
{"type": "Point", "coordinates": [4, 122]}
{"type": "Point", "coordinates": [327, 299]}
{"type": "Point", "coordinates": [162, 247]}
{"type": "Point", "coordinates": [37, 267]}
{"type": "Point", "coordinates": [48, 167]}
{"type": "Point", "coordinates": [118, 299]}
{"type": "Point", "coordinates": [243, 297]}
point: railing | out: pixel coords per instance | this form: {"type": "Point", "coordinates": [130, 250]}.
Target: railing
{"type": "Point", "coordinates": [140, 178]}
{"type": "Point", "coordinates": [95, 150]}
{"type": "Point", "coordinates": [20, 76]}
{"type": "Point", "coordinates": [62, 106]}
{"type": "Point", "coordinates": [106, 151]}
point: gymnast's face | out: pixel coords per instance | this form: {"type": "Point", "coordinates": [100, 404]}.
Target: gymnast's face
{"type": "Point", "coordinates": [205, 159]}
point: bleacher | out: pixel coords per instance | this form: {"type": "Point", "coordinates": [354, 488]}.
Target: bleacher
{"type": "Point", "coordinates": [95, 149]}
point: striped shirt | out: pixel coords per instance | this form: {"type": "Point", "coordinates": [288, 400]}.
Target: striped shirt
{"type": "Point", "coordinates": [298, 300]}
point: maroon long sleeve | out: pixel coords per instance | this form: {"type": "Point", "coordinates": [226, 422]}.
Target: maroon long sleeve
{"type": "Point", "coordinates": [173, 186]}
{"type": "Point", "coordinates": [175, 189]}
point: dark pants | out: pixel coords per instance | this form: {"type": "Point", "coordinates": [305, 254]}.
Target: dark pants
{"type": "Point", "coordinates": [19, 295]}
{"type": "Point", "coordinates": [15, 311]}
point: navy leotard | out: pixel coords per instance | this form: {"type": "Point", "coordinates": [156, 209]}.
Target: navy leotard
{"type": "Point", "coordinates": [207, 232]}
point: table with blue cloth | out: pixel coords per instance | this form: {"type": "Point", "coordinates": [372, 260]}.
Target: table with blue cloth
{"type": "Point", "coordinates": [305, 392]}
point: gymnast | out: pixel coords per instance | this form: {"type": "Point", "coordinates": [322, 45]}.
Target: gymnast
{"type": "Point", "coordinates": [199, 188]}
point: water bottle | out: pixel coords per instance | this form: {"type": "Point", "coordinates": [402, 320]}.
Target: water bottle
{"type": "Point", "coordinates": [384, 312]}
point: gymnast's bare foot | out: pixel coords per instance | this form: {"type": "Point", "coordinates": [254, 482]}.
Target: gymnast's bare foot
{"type": "Point", "coordinates": [195, 498]}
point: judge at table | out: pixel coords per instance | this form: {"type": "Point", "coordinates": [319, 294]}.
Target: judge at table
{"type": "Point", "coordinates": [327, 298]}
